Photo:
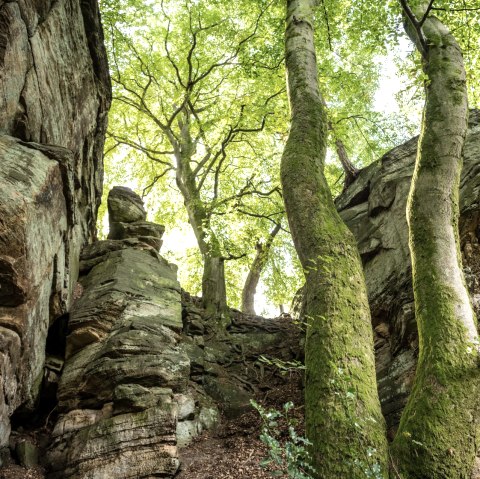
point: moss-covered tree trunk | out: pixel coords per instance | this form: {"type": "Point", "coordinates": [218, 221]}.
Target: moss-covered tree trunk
{"type": "Point", "coordinates": [253, 277]}
{"type": "Point", "coordinates": [343, 416]}
{"type": "Point", "coordinates": [438, 433]}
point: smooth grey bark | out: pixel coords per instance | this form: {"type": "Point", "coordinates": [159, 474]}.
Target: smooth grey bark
{"type": "Point", "coordinates": [258, 264]}
{"type": "Point", "coordinates": [438, 433]}
{"type": "Point", "coordinates": [343, 416]}
{"type": "Point", "coordinates": [214, 295]}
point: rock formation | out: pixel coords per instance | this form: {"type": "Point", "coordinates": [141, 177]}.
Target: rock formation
{"type": "Point", "coordinates": [127, 218]}
{"type": "Point", "coordinates": [55, 96]}
{"type": "Point", "coordinates": [143, 375]}
{"type": "Point", "coordinates": [130, 367]}
{"type": "Point", "coordinates": [374, 207]}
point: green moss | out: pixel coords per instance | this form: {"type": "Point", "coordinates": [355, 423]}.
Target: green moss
{"type": "Point", "coordinates": [437, 435]}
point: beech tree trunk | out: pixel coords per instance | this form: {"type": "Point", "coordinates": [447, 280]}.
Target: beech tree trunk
{"type": "Point", "coordinates": [438, 433]}
{"type": "Point", "coordinates": [348, 167]}
{"type": "Point", "coordinates": [251, 283]}
{"type": "Point", "coordinates": [214, 294]}
{"type": "Point", "coordinates": [343, 416]}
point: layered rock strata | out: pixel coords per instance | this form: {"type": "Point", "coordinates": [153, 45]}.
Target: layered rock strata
{"type": "Point", "coordinates": [124, 366]}
{"type": "Point", "coordinates": [55, 96]}
{"type": "Point", "coordinates": [144, 376]}
{"type": "Point", "coordinates": [374, 207]}
{"type": "Point", "coordinates": [127, 218]}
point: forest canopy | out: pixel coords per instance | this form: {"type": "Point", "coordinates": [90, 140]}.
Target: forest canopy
{"type": "Point", "coordinates": [213, 76]}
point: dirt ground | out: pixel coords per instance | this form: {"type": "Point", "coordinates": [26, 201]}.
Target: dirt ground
{"type": "Point", "coordinates": [18, 472]}
{"type": "Point", "coordinates": [235, 451]}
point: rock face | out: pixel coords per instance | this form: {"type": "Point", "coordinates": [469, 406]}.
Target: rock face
{"type": "Point", "coordinates": [374, 207]}
{"type": "Point", "coordinates": [55, 96]}
{"type": "Point", "coordinates": [127, 218]}
{"type": "Point", "coordinates": [143, 375]}
{"type": "Point", "coordinates": [124, 364]}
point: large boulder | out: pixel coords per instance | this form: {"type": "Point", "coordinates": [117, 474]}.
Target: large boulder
{"type": "Point", "coordinates": [127, 215]}
{"type": "Point", "coordinates": [125, 206]}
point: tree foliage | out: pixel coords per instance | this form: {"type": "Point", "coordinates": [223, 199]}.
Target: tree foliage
{"type": "Point", "coordinates": [196, 102]}
{"type": "Point", "coordinates": [231, 70]}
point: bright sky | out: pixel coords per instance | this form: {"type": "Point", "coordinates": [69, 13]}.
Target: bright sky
{"type": "Point", "coordinates": [393, 81]}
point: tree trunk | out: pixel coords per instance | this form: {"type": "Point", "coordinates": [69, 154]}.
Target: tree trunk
{"type": "Point", "coordinates": [343, 416]}
{"type": "Point", "coordinates": [213, 284]}
{"type": "Point", "coordinates": [348, 167]}
{"type": "Point", "coordinates": [438, 432]}
{"type": "Point", "coordinates": [214, 296]}
{"type": "Point", "coordinates": [250, 287]}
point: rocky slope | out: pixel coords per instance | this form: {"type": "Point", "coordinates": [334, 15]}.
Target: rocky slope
{"type": "Point", "coordinates": [143, 377]}
{"type": "Point", "coordinates": [55, 93]}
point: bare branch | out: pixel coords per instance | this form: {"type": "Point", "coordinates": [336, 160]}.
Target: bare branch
{"type": "Point", "coordinates": [111, 149]}
{"type": "Point", "coordinates": [147, 188]}
{"type": "Point", "coordinates": [149, 153]}
{"type": "Point", "coordinates": [465, 9]}
{"type": "Point", "coordinates": [245, 191]}
{"type": "Point", "coordinates": [425, 15]}
{"type": "Point", "coordinates": [231, 256]}
{"type": "Point", "coordinates": [237, 50]}
{"type": "Point", "coordinates": [329, 36]}
{"type": "Point", "coordinates": [170, 59]}
{"type": "Point", "coordinates": [417, 25]}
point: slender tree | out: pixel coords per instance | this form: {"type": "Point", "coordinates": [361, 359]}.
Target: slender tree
{"type": "Point", "coordinates": [256, 268]}
{"type": "Point", "coordinates": [186, 106]}
{"type": "Point", "coordinates": [343, 416]}
{"type": "Point", "coordinates": [438, 434]}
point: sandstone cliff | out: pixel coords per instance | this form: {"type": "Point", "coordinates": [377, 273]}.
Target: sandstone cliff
{"type": "Point", "coordinates": [55, 94]}
{"type": "Point", "coordinates": [374, 207]}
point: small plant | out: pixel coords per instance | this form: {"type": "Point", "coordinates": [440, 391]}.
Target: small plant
{"type": "Point", "coordinates": [284, 366]}
{"type": "Point", "coordinates": [289, 454]}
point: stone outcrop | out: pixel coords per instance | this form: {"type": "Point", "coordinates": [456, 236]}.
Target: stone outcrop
{"type": "Point", "coordinates": [144, 375]}
{"type": "Point", "coordinates": [55, 93]}
{"type": "Point", "coordinates": [240, 364]}
{"type": "Point", "coordinates": [127, 218]}
{"type": "Point", "coordinates": [374, 207]}
{"type": "Point", "coordinates": [123, 367]}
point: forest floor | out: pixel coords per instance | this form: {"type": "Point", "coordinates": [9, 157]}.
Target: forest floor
{"type": "Point", "coordinates": [234, 450]}
{"type": "Point", "coordinates": [18, 472]}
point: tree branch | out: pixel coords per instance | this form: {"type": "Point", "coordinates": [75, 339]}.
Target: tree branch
{"type": "Point", "coordinates": [150, 153]}
{"type": "Point", "coordinates": [417, 25]}
{"type": "Point", "coordinates": [425, 15]}
{"type": "Point", "coordinates": [154, 181]}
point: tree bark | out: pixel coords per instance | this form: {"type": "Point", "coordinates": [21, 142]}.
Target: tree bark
{"type": "Point", "coordinates": [348, 167]}
{"type": "Point", "coordinates": [214, 296]}
{"type": "Point", "coordinates": [259, 262]}
{"type": "Point", "coordinates": [343, 416]}
{"type": "Point", "coordinates": [438, 432]}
